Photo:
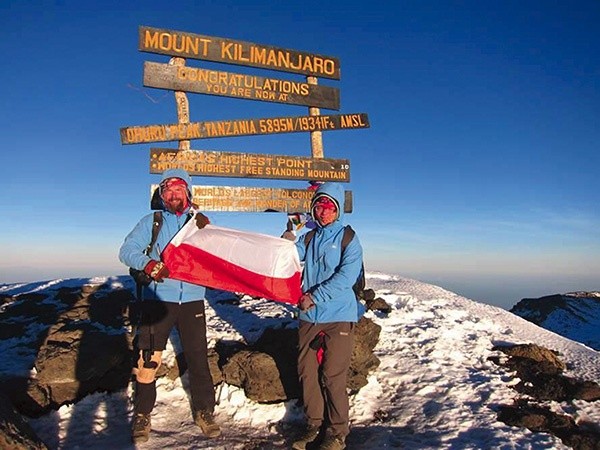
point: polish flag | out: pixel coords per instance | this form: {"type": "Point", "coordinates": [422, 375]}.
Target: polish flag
{"type": "Point", "coordinates": [236, 261]}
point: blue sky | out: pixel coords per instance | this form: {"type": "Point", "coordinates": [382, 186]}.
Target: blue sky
{"type": "Point", "coordinates": [479, 171]}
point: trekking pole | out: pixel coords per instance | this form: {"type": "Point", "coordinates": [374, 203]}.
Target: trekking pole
{"type": "Point", "coordinates": [135, 310]}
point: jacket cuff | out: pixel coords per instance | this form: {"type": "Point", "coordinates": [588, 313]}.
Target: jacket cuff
{"type": "Point", "coordinates": [315, 296]}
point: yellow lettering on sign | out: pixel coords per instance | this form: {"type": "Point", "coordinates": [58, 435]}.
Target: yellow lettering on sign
{"type": "Point", "coordinates": [176, 43]}
{"type": "Point", "coordinates": [286, 171]}
{"type": "Point", "coordinates": [252, 170]}
{"type": "Point", "coordinates": [260, 55]}
{"type": "Point", "coordinates": [314, 174]}
{"type": "Point", "coordinates": [264, 95]}
{"type": "Point", "coordinates": [239, 52]}
{"type": "Point", "coordinates": [212, 78]}
{"type": "Point", "coordinates": [230, 128]}
{"type": "Point", "coordinates": [352, 121]}
{"type": "Point", "coordinates": [286, 86]}
{"type": "Point", "coordinates": [146, 134]}
{"type": "Point", "coordinates": [277, 125]}
{"type": "Point", "coordinates": [302, 194]}
{"type": "Point", "coordinates": [290, 162]}
{"type": "Point", "coordinates": [240, 92]}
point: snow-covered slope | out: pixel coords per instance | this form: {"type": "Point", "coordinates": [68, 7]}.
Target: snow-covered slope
{"type": "Point", "coordinates": [435, 387]}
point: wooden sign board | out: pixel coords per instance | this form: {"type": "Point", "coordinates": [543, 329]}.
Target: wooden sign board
{"type": "Point", "coordinates": [241, 127]}
{"type": "Point", "coordinates": [254, 199]}
{"type": "Point", "coordinates": [227, 84]}
{"type": "Point", "coordinates": [249, 165]}
{"type": "Point", "coordinates": [223, 50]}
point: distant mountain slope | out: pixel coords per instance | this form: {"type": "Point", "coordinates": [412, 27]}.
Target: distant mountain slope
{"type": "Point", "coordinates": [575, 315]}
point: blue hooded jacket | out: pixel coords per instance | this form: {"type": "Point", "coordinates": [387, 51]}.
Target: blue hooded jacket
{"type": "Point", "coordinates": [132, 251]}
{"type": "Point", "coordinates": [329, 273]}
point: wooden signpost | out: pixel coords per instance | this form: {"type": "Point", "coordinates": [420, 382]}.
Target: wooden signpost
{"type": "Point", "coordinates": [241, 127]}
{"type": "Point", "coordinates": [249, 165]}
{"type": "Point", "coordinates": [229, 51]}
{"type": "Point", "coordinates": [178, 77]}
{"type": "Point", "coordinates": [255, 199]}
{"type": "Point", "coordinates": [227, 84]}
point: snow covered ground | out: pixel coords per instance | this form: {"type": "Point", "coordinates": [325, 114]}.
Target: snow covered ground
{"type": "Point", "coordinates": [434, 389]}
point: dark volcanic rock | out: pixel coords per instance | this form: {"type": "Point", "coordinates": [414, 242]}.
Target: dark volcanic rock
{"type": "Point", "coordinates": [257, 374]}
{"type": "Point", "coordinates": [536, 353]}
{"type": "Point", "coordinates": [540, 371]}
{"type": "Point", "coordinates": [537, 310]}
{"type": "Point", "coordinates": [15, 433]}
{"type": "Point", "coordinates": [366, 336]}
{"type": "Point", "coordinates": [87, 349]}
{"type": "Point", "coordinates": [267, 370]}
{"type": "Point", "coordinates": [541, 419]}
{"type": "Point", "coordinates": [379, 304]}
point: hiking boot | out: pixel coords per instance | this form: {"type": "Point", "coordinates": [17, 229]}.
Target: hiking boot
{"type": "Point", "coordinates": [206, 421]}
{"type": "Point", "coordinates": [332, 442]}
{"type": "Point", "coordinates": [140, 428]}
{"type": "Point", "coordinates": [310, 434]}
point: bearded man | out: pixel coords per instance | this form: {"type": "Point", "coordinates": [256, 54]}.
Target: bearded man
{"type": "Point", "coordinates": [169, 303]}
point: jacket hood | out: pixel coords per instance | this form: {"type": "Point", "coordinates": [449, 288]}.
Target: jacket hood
{"type": "Point", "coordinates": [335, 192]}
{"type": "Point", "coordinates": [177, 173]}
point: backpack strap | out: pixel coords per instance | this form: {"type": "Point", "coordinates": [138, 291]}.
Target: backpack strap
{"type": "Point", "coordinates": [308, 236]}
{"type": "Point", "coordinates": [189, 216]}
{"type": "Point", "coordinates": [359, 286]}
{"type": "Point", "coordinates": [348, 236]}
{"type": "Point", "coordinates": [156, 225]}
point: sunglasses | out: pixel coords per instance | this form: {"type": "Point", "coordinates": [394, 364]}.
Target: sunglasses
{"type": "Point", "coordinates": [325, 203]}
{"type": "Point", "coordinates": [170, 183]}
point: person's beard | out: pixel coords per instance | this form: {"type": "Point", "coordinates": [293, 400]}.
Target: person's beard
{"type": "Point", "coordinates": [176, 205]}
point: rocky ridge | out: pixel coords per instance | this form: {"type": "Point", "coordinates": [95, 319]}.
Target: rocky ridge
{"type": "Point", "coordinates": [575, 315]}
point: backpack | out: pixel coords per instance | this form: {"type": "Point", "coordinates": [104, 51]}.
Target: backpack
{"type": "Point", "coordinates": [140, 277]}
{"type": "Point", "coordinates": [359, 285]}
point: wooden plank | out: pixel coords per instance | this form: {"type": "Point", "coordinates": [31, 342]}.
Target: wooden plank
{"type": "Point", "coordinates": [249, 165]}
{"type": "Point", "coordinates": [230, 51]}
{"type": "Point", "coordinates": [242, 127]}
{"type": "Point", "coordinates": [254, 199]}
{"type": "Point", "coordinates": [249, 87]}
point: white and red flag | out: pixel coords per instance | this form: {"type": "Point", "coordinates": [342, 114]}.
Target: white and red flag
{"type": "Point", "coordinates": [236, 261]}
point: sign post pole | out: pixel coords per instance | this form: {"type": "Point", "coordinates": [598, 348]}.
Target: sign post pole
{"type": "Point", "coordinates": [183, 106]}
{"type": "Point", "coordinates": [316, 137]}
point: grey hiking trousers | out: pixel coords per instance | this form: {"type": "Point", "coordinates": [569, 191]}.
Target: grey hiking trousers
{"type": "Point", "coordinates": [324, 385]}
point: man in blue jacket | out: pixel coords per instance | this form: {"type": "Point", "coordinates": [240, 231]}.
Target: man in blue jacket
{"type": "Point", "coordinates": [328, 314]}
{"type": "Point", "coordinates": [168, 303]}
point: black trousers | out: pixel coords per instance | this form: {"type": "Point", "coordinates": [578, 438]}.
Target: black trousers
{"type": "Point", "coordinates": [158, 320]}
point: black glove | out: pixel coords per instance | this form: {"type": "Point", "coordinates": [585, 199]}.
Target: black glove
{"type": "Point", "coordinates": [157, 270]}
{"type": "Point", "coordinates": [201, 220]}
